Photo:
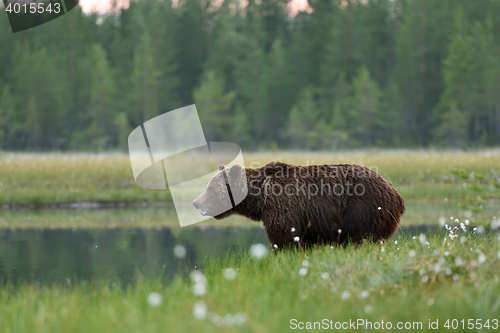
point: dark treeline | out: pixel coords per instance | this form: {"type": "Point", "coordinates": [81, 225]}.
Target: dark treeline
{"type": "Point", "coordinates": [350, 73]}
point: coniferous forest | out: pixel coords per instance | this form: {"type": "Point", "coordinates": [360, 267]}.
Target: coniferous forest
{"type": "Point", "coordinates": [343, 74]}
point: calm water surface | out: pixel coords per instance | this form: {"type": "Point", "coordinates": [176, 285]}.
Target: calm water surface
{"type": "Point", "coordinates": [60, 246]}
{"type": "Point", "coordinates": [56, 255]}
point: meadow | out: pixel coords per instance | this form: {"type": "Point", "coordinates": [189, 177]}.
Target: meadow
{"type": "Point", "coordinates": [417, 175]}
{"type": "Point", "coordinates": [447, 279]}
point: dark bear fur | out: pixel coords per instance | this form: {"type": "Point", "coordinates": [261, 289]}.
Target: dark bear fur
{"type": "Point", "coordinates": [316, 200]}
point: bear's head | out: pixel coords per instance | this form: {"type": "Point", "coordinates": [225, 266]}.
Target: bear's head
{"type": "Point", "coordinates": [226, 189]}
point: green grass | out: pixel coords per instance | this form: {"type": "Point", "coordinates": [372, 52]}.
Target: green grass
{"type": "Point", "coordinates": [40, 178]}
{"type": "Point", "coordinates": [385, 279]}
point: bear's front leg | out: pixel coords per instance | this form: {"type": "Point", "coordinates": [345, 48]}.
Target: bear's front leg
{"type": "Point", "coordinates": [280, 236]}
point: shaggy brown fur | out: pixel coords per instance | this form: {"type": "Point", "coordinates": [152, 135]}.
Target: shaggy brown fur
{"type": "Point", "coordinates": [317, 201]}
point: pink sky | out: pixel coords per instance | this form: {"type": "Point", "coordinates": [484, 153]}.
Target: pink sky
{"type": "Point", "coordinates": [104, 5]}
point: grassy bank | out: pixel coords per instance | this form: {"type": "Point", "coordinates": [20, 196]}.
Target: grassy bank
{"type": "Point", "coordinates": [417, 175]}
{"type": "Point", "coordinates": [410, 281]}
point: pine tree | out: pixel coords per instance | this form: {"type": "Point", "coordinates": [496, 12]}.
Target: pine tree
{"type": "Point", "coordinates": [306, 129]}
{"type": "Point", "coordinates": [214, 106]}
{"type": "Point", "coordinates": [366, 106]}
{"type": "Point", "coordinates": [8, 127]}
{"type": "Point", "coordinates": [146, 81]}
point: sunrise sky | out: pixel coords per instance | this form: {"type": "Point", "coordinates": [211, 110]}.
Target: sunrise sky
{"type": "Point", "coordinates": [104, 5]}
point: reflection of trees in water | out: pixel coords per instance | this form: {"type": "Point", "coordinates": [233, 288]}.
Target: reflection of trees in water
{"type": "Point", "coordinates": [122, 255]}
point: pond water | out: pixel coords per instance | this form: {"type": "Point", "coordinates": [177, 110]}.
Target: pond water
{"type": "Point", "coordinates": [57, 246]}
{"type": "Point", "coordinates": [61, 255]}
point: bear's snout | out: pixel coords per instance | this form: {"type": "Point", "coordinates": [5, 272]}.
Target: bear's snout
{"type": "Point", "coordinates": [198, 204]}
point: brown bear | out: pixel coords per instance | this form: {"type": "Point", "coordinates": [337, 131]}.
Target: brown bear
{"type": "Point", "coordinates": [307, 204]}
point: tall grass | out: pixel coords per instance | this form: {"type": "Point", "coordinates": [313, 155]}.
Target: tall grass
{"type": "Point", "coordinates": [411, 281]}
{"type": "Point", "coordinates": [417, 175]}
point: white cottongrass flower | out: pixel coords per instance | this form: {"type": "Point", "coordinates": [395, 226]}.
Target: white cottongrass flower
{"type": "Point", "coordinates": [180, 251]}
{"type": "Point", "coordinates": [462, 239]}
{"type": "Point", "coordinates": [422, 239]}
{"type": "Point", "coordinates": [154, 299]}
{"type": "Point", "coordinates": [480, 229]}
{"type": "Point", "coordinates": [379, 208]}
{"type": "Point", "coordinates": [446, 253]}
{"type": "Point", "coordinates": [368, 308]}
{"type": "Point", "coordinates": [305, 263]}
{"type": "Point", "coordinates": [455, 277]}
{"type": "Point", "coordinates": [200, 310]}
{"type": "Point", "coordinates": [339, 231]}
{"type": "Point", "coordinates": [442, 221]}
{"type": "Point", "coordinates": [481, 259]}
{"type": "Point", "coordinates": [216, 319]}
{"type": "Point", "coordinates": [346, 294]}
{"type": "Point", "coordinates": [430, 301]}
{"type": "Point", "coordinates": [296, 238]}
{"type": "Point", "coordinates": [325, 275]}
{"type": "Point", "coordinates": [228, 319]}
{"type": "Point", "coordinates": [425, 278]}
{"type": "Point", "coordinates": [199, 289]}
{"type": "Point", "coordinates": [302, 271]}
{"type": "Point", "coordinates": [364, 294]}
{"type": "Point", "coordinates": [275, 246]}
{"type": "Point", "coordinates": [459, 261]}
{"type": "Point", "coordinates": [495, 223]}
{"type": "Point", "coordinates": [396, 242]}
{"type": "Point", "coordinates": [230, 273]}
{"type": "Point", "coordinates": [239, 318]}
{"type": "Point", "coordinates": [447, 271]}
{"type": "Point", "coordinates": [258, 251]}
{"type": "Point", "coordinates": [197, 277]}
{"type": "Point", "coordinates": [293, 229]}
{"type": "Point", "coordinates": [412, 253]}
{"type": "Point", "coordinates": [383, 249]}
{"type": "Point", "coordinates": [421, 271]}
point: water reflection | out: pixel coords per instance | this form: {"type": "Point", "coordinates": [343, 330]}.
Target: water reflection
{"type": "Point", "coordinates": [56, 255]}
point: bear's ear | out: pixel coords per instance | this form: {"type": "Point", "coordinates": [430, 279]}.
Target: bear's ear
{"type": "Point", "coordinates": [222, 167]}
{"type": "Point", "coordinates": [235, 171]}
